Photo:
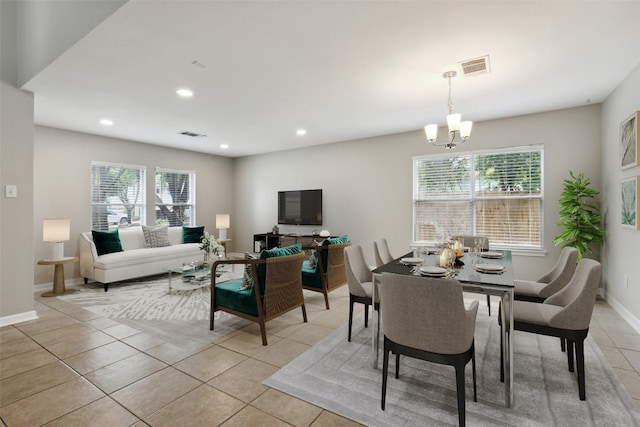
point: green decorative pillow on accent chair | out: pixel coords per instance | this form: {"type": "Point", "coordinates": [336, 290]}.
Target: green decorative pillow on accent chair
{"type": "Point", "coordinates": [192, 234]}
{"type": "Point", "coordinates": [106, 241]}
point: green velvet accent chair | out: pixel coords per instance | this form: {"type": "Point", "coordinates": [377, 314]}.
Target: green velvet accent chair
{"type": "Point", "coordinates": [329, 272]}
{"type": "Point", "coordinates": [275, 292]}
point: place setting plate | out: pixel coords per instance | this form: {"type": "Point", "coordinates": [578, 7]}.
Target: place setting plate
{"type": "Point", "coordinates": [411, 261]}
{"type": "Point", "coordinates": [490, 268]}
{"type": "Point", "coordinates": [433, 271]}
{"type": "Point", "coordinates": [491, 255]}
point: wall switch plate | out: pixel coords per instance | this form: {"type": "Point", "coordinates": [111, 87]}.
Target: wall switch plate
{"type": "Point", "coordinates": [11, 191]}
{"type": "Point", "coordinates": [626, 281]}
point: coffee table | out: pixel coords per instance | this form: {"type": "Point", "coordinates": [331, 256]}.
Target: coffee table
{"type": "Point", "coordinates": [197, 277]}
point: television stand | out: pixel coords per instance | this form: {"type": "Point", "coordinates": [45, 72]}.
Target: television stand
{"type": "Point", "coordinates": [269, 240]}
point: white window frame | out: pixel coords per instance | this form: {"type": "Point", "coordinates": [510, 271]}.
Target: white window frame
{"type": "Point", "coordinates": [190, 205]}
{"type": "Point", "coordinates": [133, 213]}
{"type": "Point", "coordinates": [475, 197]}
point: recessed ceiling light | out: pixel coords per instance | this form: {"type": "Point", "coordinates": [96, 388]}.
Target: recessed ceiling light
{"type": "Point", "coordinates": [106, 122]}
{"type": "Point", "coordinates": [224, 146]}
{"type": "Point", "coordinates": [185, 93]}
{"type": "Point", "coordinates": [301, 132]}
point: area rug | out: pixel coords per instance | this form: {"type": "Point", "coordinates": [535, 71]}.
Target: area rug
{"type": "Point", "coordinates": [338, 376]}
{"type": "Point", "coordinates": [177, 316]}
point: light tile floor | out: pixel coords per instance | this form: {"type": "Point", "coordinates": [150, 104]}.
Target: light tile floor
{"type": "Point", "coordinates": [72, 367]}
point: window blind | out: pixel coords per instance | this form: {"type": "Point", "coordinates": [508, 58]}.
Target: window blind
{"type": "Point", "coordinates": [117, 195]}
{"type": "Point", "coordinates": [498, 194]}
{"type": "Point", "coordinates": [175, 202]}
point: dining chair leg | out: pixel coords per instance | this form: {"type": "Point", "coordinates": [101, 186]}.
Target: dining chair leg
{"type": "Point", "coordinates": [350, 317]}
{"type": "Point", "coordinates": [385, 368]}
{"type": "Point", "coordinates": [473, 371]}
{"type": "Point", "coordinates": [579, 344]}
{"type": "Point", "coordinates": [489, 304]}
{"type": "Point", "coordinates": [460, 393]}
{"type": "Point", "coordinates": [570, 348]}
{"type": "Point", "coordinates": [397, 365]}
{"type": "Point", "coordinates": [366, 315]}
{"type": "Point", "coordinates": [563, 346]}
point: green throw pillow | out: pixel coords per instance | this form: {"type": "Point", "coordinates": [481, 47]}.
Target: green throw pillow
{"type": "Point", "coordinates": [107, 241]}
{"type": "Point", "coordinates": [192, 234]}
{"type": "Point", "coordinates": [287, 250]}
{"type": "Point", "coordinates": [336, 240]}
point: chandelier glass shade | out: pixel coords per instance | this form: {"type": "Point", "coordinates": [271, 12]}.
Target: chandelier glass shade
{"type": "Point", "coordinates": [459, 131]}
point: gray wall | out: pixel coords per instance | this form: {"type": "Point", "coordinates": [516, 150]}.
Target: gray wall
{"type": "Point", "coordinates": [621, 256]}
{"type": "Point", "coordinates": [62, 176]}
{"type": "Point", "coordinates": [16, 168]}
{"type": "Point", "coordinates": [367, 183]}
{"type": "Point", "coordinates": [16, 214]}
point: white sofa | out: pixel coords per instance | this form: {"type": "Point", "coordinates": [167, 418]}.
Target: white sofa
{"type": "Point", "coordinates": [135, 260]}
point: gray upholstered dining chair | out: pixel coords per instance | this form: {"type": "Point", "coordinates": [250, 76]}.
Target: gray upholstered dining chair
{"type": "Point", "coordinates": [566, 314]}
{"type": "Point", "coordinates": [381, 252]}
{"type": "Point", "coordinates": [426, 319]}
{"type": "Point", "coordinates": [360, 282]}
{"type": "Point", "coordinates": [469, 242]}
{"type": "Point", "coordinates": [551, 282]}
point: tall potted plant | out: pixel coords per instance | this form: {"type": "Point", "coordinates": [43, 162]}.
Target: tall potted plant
{"type": "Point", "coordinates": [579, 216]}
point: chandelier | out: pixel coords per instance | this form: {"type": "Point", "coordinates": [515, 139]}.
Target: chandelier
{"type": "Point", "coordinates": [457, 128]}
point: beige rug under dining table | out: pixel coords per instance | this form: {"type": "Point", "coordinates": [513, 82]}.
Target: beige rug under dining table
{"type": "Point", "coordinates": [496, 279]}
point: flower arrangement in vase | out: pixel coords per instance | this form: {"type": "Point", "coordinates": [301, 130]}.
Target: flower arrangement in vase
{"type": "Point", "coordinates": [210, 246]}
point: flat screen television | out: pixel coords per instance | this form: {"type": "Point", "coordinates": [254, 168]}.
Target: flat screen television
{"type": "Point", "coordinates": [300, 207]}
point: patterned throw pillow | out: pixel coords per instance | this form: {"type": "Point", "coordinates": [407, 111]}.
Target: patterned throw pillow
{"type": "Point", "coordinates": [313, 259]}
{"type": "Point", "coordinates": [247, 279]}
{"type": "Point", "coordinates": [156, 236]}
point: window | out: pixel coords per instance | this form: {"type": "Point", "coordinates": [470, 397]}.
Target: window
{"type": "Point", "coordinates": [498, 194]}
{"type": "Point", "coordinates": [175, 197]}
{"type": "Point", "coordinates": [117, 195]}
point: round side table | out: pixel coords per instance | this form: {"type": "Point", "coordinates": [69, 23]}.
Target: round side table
{"type": "Point", "coordinates": [58, 275]}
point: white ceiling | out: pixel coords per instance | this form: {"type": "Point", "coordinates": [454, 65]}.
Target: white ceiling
{"type": "Point", "coordinates": [339, 69]}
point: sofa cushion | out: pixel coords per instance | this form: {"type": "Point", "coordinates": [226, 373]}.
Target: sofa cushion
{"type": "Point", "coordinates": [229, 294]}
{"type": "Point", "coordinates": [192, 234]}
{"type": "Point", "coordinates": [155, 236]}
{"type": "Point", "coordinates": [106, 241]}
{"type": "Point", "coordinates": [167, 256]}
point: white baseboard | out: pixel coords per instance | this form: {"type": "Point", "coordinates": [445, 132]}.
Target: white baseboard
{"type": "Point", "coordinates": [17, 318]}
{"type": "Point", "coordinates": [624, 313]}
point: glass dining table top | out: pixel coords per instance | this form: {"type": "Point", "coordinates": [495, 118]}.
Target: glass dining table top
{"type": "Point", "coordinates": [465, 270]}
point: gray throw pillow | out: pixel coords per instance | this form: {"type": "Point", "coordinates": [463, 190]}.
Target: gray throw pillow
{"type": "Point", "coordinates": [247, 279]}
{"type": "Point", "coordinates": [156, 236]}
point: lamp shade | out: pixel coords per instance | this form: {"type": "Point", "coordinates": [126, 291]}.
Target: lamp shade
{"type": "Point", "coordinates": [431, 131]}
{"type": "Point", "coordinates": [55, 230]}
{"type": "Point", "coordinates": [465, 129]}
{"type": "Point", "coordinates": [222, 221]}
{"type": "Point", "coordinates": [453, 120]}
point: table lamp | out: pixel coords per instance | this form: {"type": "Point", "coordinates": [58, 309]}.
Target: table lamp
{"type": "Point", "coordinates": [222, 223]}
{"type": "Point", "coordinates": [56, 231]}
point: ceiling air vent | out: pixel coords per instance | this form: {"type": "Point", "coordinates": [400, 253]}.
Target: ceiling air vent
{"type": "Point", "coordinates": [476, 66]}
{"type": "Point", "coordinates": [193, 134]}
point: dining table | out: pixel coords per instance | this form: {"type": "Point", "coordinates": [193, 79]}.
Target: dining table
{"type": "Point", "coordinates": [488, 273]}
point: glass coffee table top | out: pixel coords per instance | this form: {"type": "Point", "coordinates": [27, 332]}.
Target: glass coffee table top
{"type": "Point", "coordinates": [189, 277]}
